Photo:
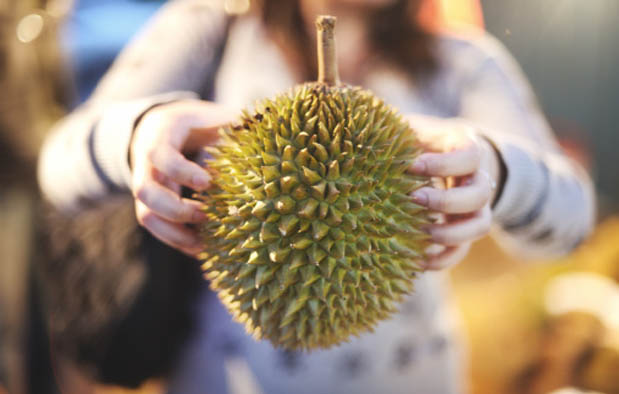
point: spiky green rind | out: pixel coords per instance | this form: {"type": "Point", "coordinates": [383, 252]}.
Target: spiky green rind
{"type": "Point", "coordinates": [311, 234]}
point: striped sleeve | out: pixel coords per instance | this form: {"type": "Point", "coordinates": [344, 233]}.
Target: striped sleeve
{"type": "Point", "coordinates": [547, 206]}
{"type": "Point", "coordinates": [85, 156]}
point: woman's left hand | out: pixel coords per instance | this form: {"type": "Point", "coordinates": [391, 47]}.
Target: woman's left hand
{"type": "Point", "coordinates": [454, 152]}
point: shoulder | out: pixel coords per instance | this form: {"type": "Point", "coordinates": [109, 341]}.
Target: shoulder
{"type": "Point", "coordinates": [193, 7]}
{"type": "Point", "coordinates": [474, 44]}
{"type": "Point", "coordinates": [471, 58]}
{"type": "Point", "coordinates": [188, 18]}
{"type": "Point", "coordinates": [468, 53]}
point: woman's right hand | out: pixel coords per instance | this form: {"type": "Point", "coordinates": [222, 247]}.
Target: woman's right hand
{"type": "Point", "coordinates": [159, 167]}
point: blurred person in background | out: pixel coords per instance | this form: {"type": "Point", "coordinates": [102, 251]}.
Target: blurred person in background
{"type": "Point", "coordinates": [191, 70]}
{"type": "Point", "coordinates": [118, 305]}
{"type": "Point", "coordinates": [91, 43]}
{"type": "Point", "coordinates": [35, 90]}
{"type": "Point", "coordinates": [79, 289]}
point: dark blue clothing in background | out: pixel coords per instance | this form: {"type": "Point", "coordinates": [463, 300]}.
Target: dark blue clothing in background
{"type": "Point", "coordinates": [96, 31]}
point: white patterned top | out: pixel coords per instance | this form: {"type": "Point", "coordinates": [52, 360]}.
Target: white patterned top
{"type": "Point", "coordinates": [547, 206]}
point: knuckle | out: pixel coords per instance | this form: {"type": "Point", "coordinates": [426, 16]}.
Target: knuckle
{"type": "Point", "coordinates": [480, 193]}
{"type": "Point", "coordinates": [483, 226]}
{"type": "Point", "coordinates": [475, 152]}
{"type": "Point", "coordinates": [480, 200]}
{"type": "Point", "coordinates": [487, 218]}
{"type": "Point", "coordinates": [483, 230]}
{"type": "Point", "coordinates": [435, 165]}
{"type": "Point", "coordinates": [160, 177]}
{"type": "Point", "coordinates": [444, 201]}
{"type": "Point", "coordinates": [183, 212]}
{"type": "Point", "coordinates": [486, 229]}
{"type": "Point", "coordinates": [145, 218]}
{"type": "Point", "coordinates": [179, 169]}
{"type": "Point", "coordinates": [485, 191]}
{"type": "Point", "coordinates": [174, 170]}
{"type": "Point", "coordinates": [463, 250]}
{"type": "Point", "coordinates": [148, 219]}
{"type": "Point", "coordinates": [140, 218]}
{"type": "Point", "coordinates": [440, 262]}
{"type": "Point", "coordinates": [440, 237]}
{"type": "Point", "coordinates": [151, 154]}
{"type": "Point", "coordinates": [141, 193]}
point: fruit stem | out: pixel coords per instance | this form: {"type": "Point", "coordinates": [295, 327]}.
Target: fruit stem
{"type": "Point", "coordinates": [327, 57]}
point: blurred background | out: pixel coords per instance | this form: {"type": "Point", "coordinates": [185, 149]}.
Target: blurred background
{"type": "Point", "coordinates": [544, 328]}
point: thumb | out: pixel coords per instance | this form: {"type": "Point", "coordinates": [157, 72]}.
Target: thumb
{"type": "Point", "coordinates": [199, 124]}
{"type": "Point", "coordinates": [200, 137]}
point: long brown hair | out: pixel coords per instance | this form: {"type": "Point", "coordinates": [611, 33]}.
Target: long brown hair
{"type": "Point", "coordinates": [394, 34]}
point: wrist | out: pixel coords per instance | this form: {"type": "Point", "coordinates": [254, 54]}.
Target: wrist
{"type": "Point", "coordinates": [492, 162]}
{"type": "Point", "coordinates": [148, 106]}
{"type": "Point", "coordinates": [139, 120]}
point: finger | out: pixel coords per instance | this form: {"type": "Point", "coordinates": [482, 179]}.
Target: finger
{"type": "Point", "coordinates": [447, 258]}
{"type": "Point", "coordinates": [173, 234]}
{"type": "Point", "coordinates": [430, 131]}
{"type": "Point", "coordinates": [177, 168]}
{"type": "Point", "coordinates": [459, 162]}
{"type": "Point", "coordinates": [168, 205]}
{"type": "Point", "coordinates": [462, 199]}
{"type": "Point", "coordinates": [166, 182]}
{"type": "Point", "coordinates": [462, 231]}
{"type": "Point", "coordinates": [201, 137]}
{"type": "Point", "coordinates": [198, 124]}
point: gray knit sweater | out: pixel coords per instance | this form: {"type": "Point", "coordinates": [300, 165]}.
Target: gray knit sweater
{"type": "Point", "coordinates": [546, 208]}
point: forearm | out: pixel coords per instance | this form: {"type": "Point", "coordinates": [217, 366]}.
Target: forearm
{"type": "Point", "coordinates": [85, 157]}
{"type": "Point", "coordinates": [547, 205]}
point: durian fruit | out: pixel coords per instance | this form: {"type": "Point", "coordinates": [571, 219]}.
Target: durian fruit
{"type": "Point", "coordinates": [311, 234]}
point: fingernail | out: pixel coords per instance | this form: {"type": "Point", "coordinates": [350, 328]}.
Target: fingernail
{"type": "Point", "coordinates": [426, 229]}
{"type": "Point", "coordinates": [418, 167]}
{"type": "Point", "coordinates": [193, 251]}
{"type": "Point", "coordinates": [198, 216]}
{"type": "Point", "coordinates": [200, 181]}
{"type": "Point", "coordinates": [420, 197]}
